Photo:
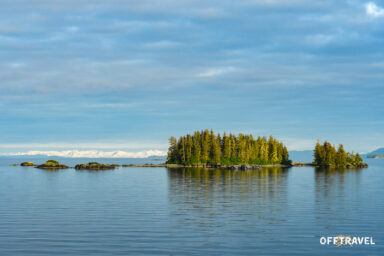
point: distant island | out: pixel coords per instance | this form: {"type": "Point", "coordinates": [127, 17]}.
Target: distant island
{"type": "Point", "coordinates": [326, 155]}
{"type": "Point", "coordinates": [52, 164]}
{"type": "Point", "coordinates": [378, 153]}
{"type": "Point", "coordinates": [375, 156]}
{"type": "Point", "coordinates": [96, 166]}
{"type": "Point", "coordinates": [207, 148]}
{"type": "Point", "coordinates": [27, 164]}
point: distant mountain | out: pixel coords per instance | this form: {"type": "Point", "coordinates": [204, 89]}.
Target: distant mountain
{"type": "Point", "coordinates": [89, 154]}
{"type": "Point", "coordinates": [378, 153]}
{"type": "Point", "coordinates": [304, 156]}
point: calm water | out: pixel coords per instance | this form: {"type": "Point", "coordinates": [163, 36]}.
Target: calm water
{"type": "Point", "coordinates": [133, 211]}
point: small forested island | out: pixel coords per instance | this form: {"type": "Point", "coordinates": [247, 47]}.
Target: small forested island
{"type": "Point", "coordinates": [326, 155]}
{"type": "Point", "coordinates": [95, 166]}
{"type": "Point", "coordinates": [52, 164]}
{"type": "Point", "coordinates": [27, 164]}
{"type": "Point", "coordinates": [207, 148]}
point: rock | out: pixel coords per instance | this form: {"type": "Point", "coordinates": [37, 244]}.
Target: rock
{"type": "Point", "coordinates": [95, 166]}
{"type": "Point", "coordinates": [348, 165]}
{"type": "Point", "coordinates": [52, 164]}
{"type": "Point", "coordinates": [243, 167]}
{"type": "Point", "coordinates": [147, 165]}
{"type": "Point", "coordinates": [207, 166]}
{"type": "Point", "coordinates": [362, 165]}
{"type": "Point", "coordinates": [27, 164]}
{"type": "Point", "coordinates": [14, 164]}
{"type": "Point", "coordinates": [233, 167]}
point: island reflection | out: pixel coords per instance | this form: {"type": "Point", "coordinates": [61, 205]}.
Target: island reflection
{"type": "Point", "coordinates": [203, 197]}
{"type": "Point", "coordinates": [331, 182]}
{"type": "Point", "coordinates": [337, 191]}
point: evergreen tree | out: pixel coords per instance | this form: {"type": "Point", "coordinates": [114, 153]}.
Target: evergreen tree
{"type": "Point", "coordinates": [358, 159]}
{"type": "Point", "coordinates": [264, 150]}
{"type": "Point", "coordinates": [234, 158]}
{"type": "Point", "coordinates": [172, 151]}
{"type": "Point", "coordinates": [226, 148]}
{"type": "Point", "coordinates": [196, 149]}
{"type": "Point", "coordinates": [188, 149]}
{"type": "Point", "coordinates": [285, 156]}
{"type": "Point", "coordinates": [272, 154]}
{"type": "Point", "coordinates": [317, 154]}
{"type": "Point", "coordinates": [205, 147]}
{"type": "Point", "coordinates": [182, 150]}
{"type": "Point", "coordinates": [341, 156]}
{"type": "Point", "coordinates": [216, 154]}
{"type": "Point", "coordinates": [330, 153]}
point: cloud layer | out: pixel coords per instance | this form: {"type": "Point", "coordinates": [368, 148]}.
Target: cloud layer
{"type": "Point", "coordinates": [97, 72]}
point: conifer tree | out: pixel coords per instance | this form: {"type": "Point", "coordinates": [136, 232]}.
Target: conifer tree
{"type": "Point", "coordinates": [317, 154]}
{"type": "Point", "coordinates": [172, 150]}
{"type": "Point", "coordinates": [216, 154]}
{"type": "Point", "coordinates": [226, 148]}
{"type": "Point", "coordinates": [341, 156]}
{"type": "Point", "coordinates": [205, 147]}
{"type": "Point", "coordinates": [272, 154]}
{"type": "Point", "coordinates": [285, 156]}
{"type": "Point", "coordinates": [358, 159]}
{"type": "Point", "coordinates": [196, 149]}
{"type": "Point", "coordinates": [188, 149]}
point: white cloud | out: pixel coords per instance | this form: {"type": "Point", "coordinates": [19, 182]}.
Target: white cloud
{"type": "Point", "coordinates": [373, 10]}
{"type": "Point", "coordinates": [165, 44]}
{"type": "Point", "coordinates": [90, 153]}
{"type": "Point", "coordinates": [215, 72]}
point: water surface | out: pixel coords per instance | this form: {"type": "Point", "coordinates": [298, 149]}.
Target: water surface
{"type": "Point", "coordinates": [159, 211]}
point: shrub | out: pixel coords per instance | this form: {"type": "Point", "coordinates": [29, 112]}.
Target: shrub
{"type": "Point", "coordinates": [51, 162]}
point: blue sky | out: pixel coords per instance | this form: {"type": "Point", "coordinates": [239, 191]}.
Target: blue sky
{"type": "Point", "coordinates": [126, 75]}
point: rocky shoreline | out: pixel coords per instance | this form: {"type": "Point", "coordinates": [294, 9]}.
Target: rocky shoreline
{"type": "Point", "coordinates": [96, 166]}
{"type": "Point", "coordinates": [210, 166]}
{"type": "Point", "coordinates": [362, 165]}
{"type": "Point", "coordinates": [240, 166]}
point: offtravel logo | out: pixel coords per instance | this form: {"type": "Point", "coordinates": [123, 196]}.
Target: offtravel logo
{"type": "Point", "coordinates": [342, 240]}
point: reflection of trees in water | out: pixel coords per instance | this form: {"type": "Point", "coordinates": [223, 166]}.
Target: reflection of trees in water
{"type": "Point", "coordinates": [205, 196]}
{"type": "Point", "coordinates": [335, 190]}
{"type": "Point", "coordinates": [331, 181]}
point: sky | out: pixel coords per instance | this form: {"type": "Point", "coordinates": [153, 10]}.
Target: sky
{"type": "Point", "coordinates": [127, 75]}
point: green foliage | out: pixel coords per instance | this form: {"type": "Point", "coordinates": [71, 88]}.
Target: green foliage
{"type": "Point", "coordinates": [341, 156]}
{"type": "Point", "coordinates": [326, 154]}
{"type": "Point", "coordinates": [51, 162]}
{"type": "Point", "coordinates": [205, 147]}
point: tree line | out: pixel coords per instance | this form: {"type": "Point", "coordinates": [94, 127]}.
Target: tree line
{"type": "Point", "coordinates": [326, 154]}
{"type": "Point", "coordinates": [205, 147]}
